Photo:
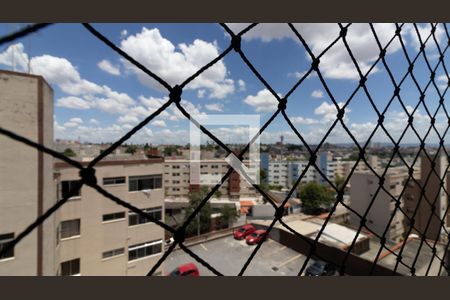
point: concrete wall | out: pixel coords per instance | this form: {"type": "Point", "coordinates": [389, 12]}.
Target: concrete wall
{"type": "Point", "coordinates": [26, 108]}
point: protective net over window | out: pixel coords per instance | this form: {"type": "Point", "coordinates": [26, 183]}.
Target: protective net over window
{"type": "Point", "coordinates": [313, 248]}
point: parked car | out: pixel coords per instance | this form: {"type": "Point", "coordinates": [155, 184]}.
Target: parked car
{"type": "Point", "coordinates": [243, 231]}
{"type": "Point", "coordinates": [255, 237]}
{"type": "Point", "coordinates": [189, 269]}
{"type": "Point", "coordinates": [320, 268]}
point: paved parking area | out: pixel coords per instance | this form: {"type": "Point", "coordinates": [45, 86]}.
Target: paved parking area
{"type": "Point", "coordinates": [228, 256]}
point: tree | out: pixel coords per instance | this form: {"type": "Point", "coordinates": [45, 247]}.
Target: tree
{"type": "Point", "coordinates": [229, 215]}
{"type": "Point", "coordinates": [339, 182]}
{"type": "Point", "coordinates": [195, 198]}
{"type": "Point", "coordinates": [315, 198]}
{"type": "Point", "coordinates": [218, 194]}
{"type": "Point", "coordinates": [169, 150]}
{"type": "Point", "coordinates": [69, 153]}
{"type": "Point", "coordinates": [131, 149]}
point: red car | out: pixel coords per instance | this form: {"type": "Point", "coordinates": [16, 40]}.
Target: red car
{"type": "Point", "coordinates": [189, 269]}
{"type": "Point", "coordinates": [243, 231]}
{"type": "Point", "coordinates": [255, 237]}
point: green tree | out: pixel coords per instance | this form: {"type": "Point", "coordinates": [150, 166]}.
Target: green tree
{"type": "Point", "coordinates": [69, 153]}
{"type": "Point", "coordinates": [339, 182]}
{"type": "Point", "coordinates": [169, 150]}
{"type": "Point", "coordinates": [315, 197]}
{"type": "Point", "coordinates": [229, 215]}
{"type": "Point", "coordinates": [131, 149]}
{"type": "Point", "coordinates": [195, 198]}
{"type": "Point", "coordinates": [218, 194]}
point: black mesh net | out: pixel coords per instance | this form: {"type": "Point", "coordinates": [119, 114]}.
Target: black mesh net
{"type": "Point", "coordinates": [345, 261]}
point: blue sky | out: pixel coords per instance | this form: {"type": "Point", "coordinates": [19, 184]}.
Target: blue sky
{"type": "Point", "coordinates": [99, 96]}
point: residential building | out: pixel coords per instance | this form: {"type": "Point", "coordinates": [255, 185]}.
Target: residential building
{"type": "Point", "coordinates": [96, 236]}
{"type": "Point", "coordinates": [364, 186]}
{"type": "Point", "coordinates": [177, 179]}
{"type": "Point", "coordinates": [427, 221]}
{"type": "Point", "coordinates": [26, 181]}
{"type": "Point", "coordinates": [285, 173]}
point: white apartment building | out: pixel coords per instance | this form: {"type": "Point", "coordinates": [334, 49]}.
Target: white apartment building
{"type": "Point", "coordinates": [177, 180]}
{"type": "Point", "coordinates": [286, 173]}
{"type": "Point", "coordinates": [363, 188]}
{"type": "Point", "coordinates": [96, 236]}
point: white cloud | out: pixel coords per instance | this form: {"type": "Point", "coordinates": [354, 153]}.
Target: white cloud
{"type": "Point", "coordinates": [201, 93]}
{"type": "Point", "coordinates": [94, 122]}
{"type": "Point", "coordinates": [159, 123]}
{"type": "Point", "coordinates": [297, 75]}
{"type": "Point", "coordinates": [328, 112]}
{"type": "Point", "coordinates": [76, 120]}
{"type": "Point", "coordinates": [241, 84]}
{"type": "Point", "coordinates": [73, 122]}
{"type": "Point", "coordinates": [336, 63]}
{"type": "Point", "coordinates": [214, 107]}
{"type": "Point", "coordinates": [108, 67]}
{"type": "Point", "coordinates": [15, 56]}
{"type": "Point", "coordinates": [304, 121]}
{"type": "Point", "coordinates": [424, 32]}
{"type": "Point", "coordinates": [127, 119]}
{"type": "Point", "coordinates": [175, 64]}
{"type": "Point", "coordinates": [123, 33]}
{"type": "Point", "coordinates": [263, 101]}
{"type": "Point", "coordinates": [73, 102]}
{"type": "Point", "coordinates": [317, 94]}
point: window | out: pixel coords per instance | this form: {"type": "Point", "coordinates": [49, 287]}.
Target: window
{"type": "Point", "coordinates": [175, 174]}
{"type": "Point", "coordinates": [4, 240]}
{"type": "Point", "coordinates": [70, 228]}
{"type": "Point", "coordinates": [114, 216]}
{"type": "Point", "coordinates": [175, 181]}
{"type": "Point", "coordinates": [70, 267]}
{"type": "Point", "coordinates": [175, 167]}
{"type": "Point", "coordinates": [145, 249]}
{"type": "Point", "coordinates": [111, 253]}
{"type": "Point", "coordinates": [67, 186]}
{"type": "Point", "coordinates": [114, 180]}
{"type": "Point", "coordinates": [135, 219]}
{"type": "Point", "coordinates": [146, 182]}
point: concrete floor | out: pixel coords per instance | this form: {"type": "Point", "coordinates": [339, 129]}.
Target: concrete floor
{"type": "Point", "coordinates": [228, 256]}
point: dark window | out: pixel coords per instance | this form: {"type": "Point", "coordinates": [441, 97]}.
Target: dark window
{"type": "Point", "coordinates": [70, 228]}
{"type": "Point", "coordinates": [67, 186]}
{"type": "Point", "coordinates": [114, 180]}
{"type": "Point", "coordinates": [135, 219]}
{"type": "Point", "coordinates": [112, 253]}
{"type": "Point", "coordinates": [71, 267]}
{"type": "Point", "coordinates": [145, 249]}
{"type": "Point", "coordinates": [4, 240]}
{"type": "Point", "coordinates": [114, 216]}
{"type": "Point", "coordinates": [148, 182]}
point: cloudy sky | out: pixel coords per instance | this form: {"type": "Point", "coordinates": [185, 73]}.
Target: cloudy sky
{"type": "Point", "coordinates": [99, 96]}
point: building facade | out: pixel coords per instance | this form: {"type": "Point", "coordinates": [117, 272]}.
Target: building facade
{"type": "Point", "coordinates": [96, 236]}
{"type": "Point", "coordinates": [177, 180]}
{"type": "Point", "coordinates": [26, 177]}
{"type": "Point", "coordinates": [363, 189]}
{"type": "Point", "coordinates": [427, 222]}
